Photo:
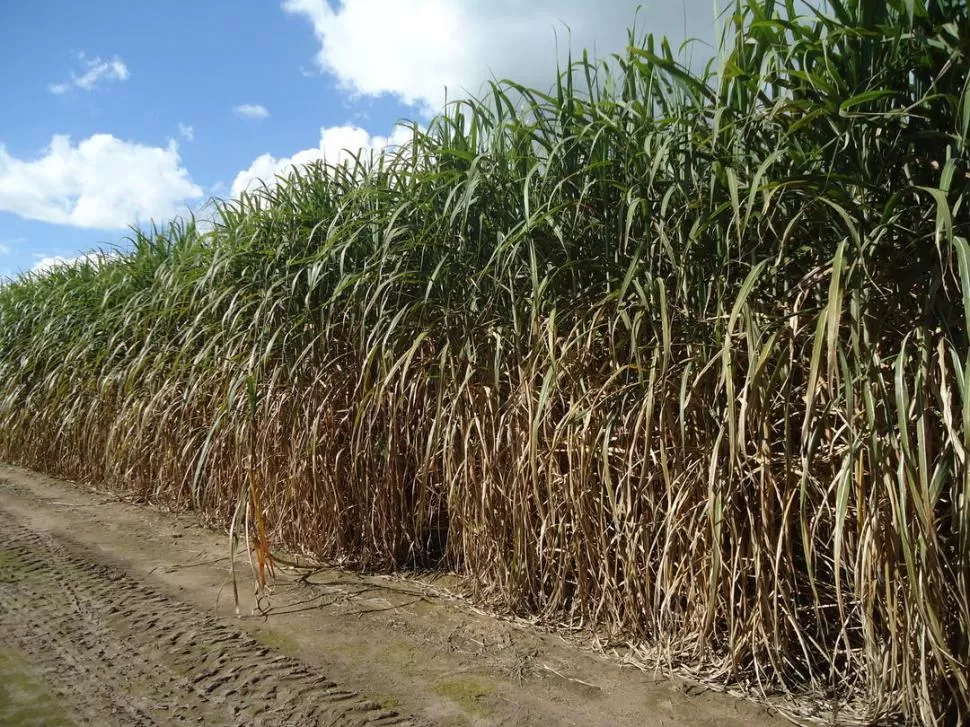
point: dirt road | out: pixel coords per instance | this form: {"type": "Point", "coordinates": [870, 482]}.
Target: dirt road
{"type": "Point", "coordinates": [118, 614]}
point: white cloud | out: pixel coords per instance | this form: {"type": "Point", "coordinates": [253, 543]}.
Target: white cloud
{"type": "Point", "coordinates": [94, 70]}
{"type": "Point", "coordinates": [251, 111]}
{"type": "Point", "coordinates": [102, 182]}
{"type": "Point", "coordinates": [413, 49]}
{"type": "Point", "coordinates": [186, 132]}
{"type": "Point", "coordinates": [49, 262]}
{"type": "Point", "coordinates": [7, 246]}
{"type": "Point", "coordinates": [337, 144]}
{"type": "Point", "coordinates": [113, 70]}
{"type": "Point", "coordinates": [44, 263]}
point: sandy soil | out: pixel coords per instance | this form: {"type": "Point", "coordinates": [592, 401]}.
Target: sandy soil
{"type": "Point", "coordinates": [118, 614]}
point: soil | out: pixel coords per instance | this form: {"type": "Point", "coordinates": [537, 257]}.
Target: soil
{"type": "Point", "coordinates": [119, 614]}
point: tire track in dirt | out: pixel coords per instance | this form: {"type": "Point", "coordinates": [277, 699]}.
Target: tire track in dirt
{"type": "Point", "coordinates": [117, 652]}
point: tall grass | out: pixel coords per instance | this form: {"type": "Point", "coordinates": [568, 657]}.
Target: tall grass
{"type": "Point", "coordinates": [679, 357]}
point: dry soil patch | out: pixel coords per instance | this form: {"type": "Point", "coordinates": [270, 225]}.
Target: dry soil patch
{"type": "Point", "coordinates": [113, 613]}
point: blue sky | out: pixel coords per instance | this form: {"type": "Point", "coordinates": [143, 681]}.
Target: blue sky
{"type": "Point", "coordinates": [118, 112]}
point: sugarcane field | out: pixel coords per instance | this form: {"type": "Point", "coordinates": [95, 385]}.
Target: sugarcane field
{"type": "Point", "coordinates": [605, 364]}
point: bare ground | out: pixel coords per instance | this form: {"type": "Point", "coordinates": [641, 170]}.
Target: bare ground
{"type": "Point", "coordinates": [119, 614]}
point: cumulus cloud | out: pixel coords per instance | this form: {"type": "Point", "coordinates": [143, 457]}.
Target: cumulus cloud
{"type": "Point", "coordinates": [44, 263]}
{"type": "Point", "coordinates": [186, 132]}
{"type": "Point", "coordinates": [337, 144]}
{"type": "Point", "coordinates": [49, 262]}
{"type": "Point", "coordinates": [93, 72]}
{"type": "Point", "coordinates": [251, 111]}
{"type": "Point", "coordinates": [7, 246]}
{"type": "Point", "coordinates": [413, 49]}
{"type": "Point", "coordinates": [102, 182]}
